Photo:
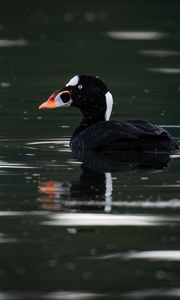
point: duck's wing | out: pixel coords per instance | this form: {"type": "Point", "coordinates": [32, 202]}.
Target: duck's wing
{"type": "Point", "coordinates": [148, 127]}
{"type": "Point", "coordinates": [126, 135]}
{"type": "Point", "coordinates": [109, 131]}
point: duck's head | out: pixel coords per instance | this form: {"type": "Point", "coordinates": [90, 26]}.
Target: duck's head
{"type": "Point", "coordinates": [88, 93]}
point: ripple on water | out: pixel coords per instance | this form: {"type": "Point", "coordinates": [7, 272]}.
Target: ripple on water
{"type": "Point", "coordinates": [74, 295]}
{"type": "Point", "coordinates": [13, 43]}
{"type": "Point", "coordinates": [136, 35]}
{"type": "Point", "coordinates": [158, 255]}
{"type": "Point", "coordinates": [8, 213]}
{"type": "Point", "coordinates": [59, 295]}
{"type": "Point", "coordinates": [4, 84]}
{"type": "Point", "coordinates": [44, 142]}
{"type": "Point", "coordinates": [160, 204]}
{"type": "Point", "coordinates": [166, 293]}
{"type": "Point", "coordinates": [4, 238]}
{"type": "Point", "coordinates": [165, 70]}
{"type": "Point", "coordinates": [163, 255]}
{"type": "Point", "coordinates": [90, 219]}
{"type": "Point", "coordinates": [10, 165]}
{"type": "Point", "coordinates": [159, 53]}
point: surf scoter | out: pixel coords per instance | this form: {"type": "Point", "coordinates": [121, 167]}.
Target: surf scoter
{"type": "Point", "coordinates": [90, 94]}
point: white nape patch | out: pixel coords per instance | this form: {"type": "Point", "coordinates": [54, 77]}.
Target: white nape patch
{"type": "Point", "coordinates": [109, 105]}
{"type": "Point", "coordinates": [74, 81]}
{"type": "Point", "coordinates": [108, 192]}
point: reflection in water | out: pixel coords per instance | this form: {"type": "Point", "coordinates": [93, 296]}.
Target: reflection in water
{"type": "Point", "coordinates": [56, 295]}
{"type": "Point", "coordinates": [156, 293]}
{"type": "Point", "coordinates": [4, 238]}
{"type": "Point", "coordinates": [64, 142]}
{"type": "Point", "coordinates": [11, 165]}
{"type": "Point", "coordinates": [161, 255]}
{"type": "Point", "coordinates": [22, 213]}
{"type": "Point", "coordinates": [165, 70]}
{"type": "Point", "coordinates": [81, 219]}
{"type": "Point", "coordinates": [123, 161]}
{"type": "Point", "coordinates": [159, 53]}
{"type": "Point", "coordinates": [136, 35]}
{"type": "Point", "coordinates": [161, 293]}
{"type": "Point", "coordinates": [56, 196]}
{"type": "Point", "coordinates": [13, 43]}
{"type": "Point", "coordinates": [53, 194]}
{"type": "Point", "coordinates": [5, 84]}
{"type": "Point", "coordinates": [95, 186]}
{"type": "Point", "coordinates": [92, 185]}
{"type": "Point", "coordinates": [164, 255]}
{"type": "Point", "coordinates": [74, 295]}
{"type": "Point", "coordinates": [171, 126]}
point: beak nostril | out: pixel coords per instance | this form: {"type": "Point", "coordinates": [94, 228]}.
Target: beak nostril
{"type": "Point", "coordinates": [65, 97]}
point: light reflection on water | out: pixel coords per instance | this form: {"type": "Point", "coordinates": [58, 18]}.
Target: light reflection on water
{"type": "Point", "coordinates": [13, 43]}
{"type": "Point", "coordinates": [158, 293]}
{"type": "Point", "coordinates": [72, 203]}
{"type": "Point", "coordinates": [44, 142]}
{"type": "Point", "coordinates": [77, 202]}
{"type": "Point", "coordinates": [58, 295]}
{"type": "Point", "coordinates": [164, 255]}
{"type": "Point", "coordinates": [136, 35]}
{"type": "Point", "coordinates": [164, 293]}
{"type": "Point", "coordinates": [78, 219]}
{"type": "Point", "coordinates": [165, 70]}
{"type": "Point", "coordinates": [58, 200]}
{"type": "Point", "coordinates": [161, 255]}
{"type": "Point", "coordinates": [160, 53]}
{"type": "Point", "coordinates": [5, 239]}
{"type": "Point", "coordinates": [10, 165]}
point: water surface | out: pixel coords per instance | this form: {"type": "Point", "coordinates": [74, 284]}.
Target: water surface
{"type": "Point", "coordinates": [73, 230]}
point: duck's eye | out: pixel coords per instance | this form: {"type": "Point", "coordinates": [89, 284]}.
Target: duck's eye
{"type": "Point", "coordinates": [65, 97]}
{"type": "Point", "coordinates": [80, 86]}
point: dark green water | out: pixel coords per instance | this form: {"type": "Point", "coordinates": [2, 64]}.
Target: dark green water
{"type": "Point", "coordinates": [68, 232]}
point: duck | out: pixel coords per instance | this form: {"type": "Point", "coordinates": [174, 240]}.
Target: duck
{"type": "Point", "coordinates": [96, 131]}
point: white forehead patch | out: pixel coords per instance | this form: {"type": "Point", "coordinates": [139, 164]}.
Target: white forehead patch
{"type": "Point", "coordinates": [109, 105]}
{"type": "Point", "coordinates": [74, 81]}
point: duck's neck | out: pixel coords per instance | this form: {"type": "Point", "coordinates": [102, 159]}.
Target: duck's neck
{"type": "Point", "coordinates": [88, 120]}
{"type": "Point", "coordinates": [91, 118]}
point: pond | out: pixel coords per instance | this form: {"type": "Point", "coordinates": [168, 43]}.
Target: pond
{"type": "Point", "coordinates": [86, 231]}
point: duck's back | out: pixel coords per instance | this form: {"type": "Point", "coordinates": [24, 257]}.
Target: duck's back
{"type": "Point", "coordinates": [131, 135]}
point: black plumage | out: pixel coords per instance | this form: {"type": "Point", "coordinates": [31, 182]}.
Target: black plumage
{"type": "Point", "coordinates": [96, 132]}
{"type": "Point", "coordinates": [131, 135]}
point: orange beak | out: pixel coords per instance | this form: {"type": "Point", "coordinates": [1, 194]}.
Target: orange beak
{"type": "Point", "coordinates": [60, 99]}
{"type": "Point", "coordinates": [50, 103]}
